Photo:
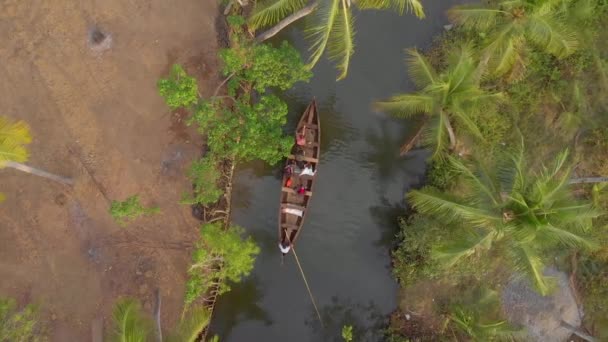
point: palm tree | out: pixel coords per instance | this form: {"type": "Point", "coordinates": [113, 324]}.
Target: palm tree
{"type": "Point", "coordinates": [13, 138]}
{"type": "Point", "coordinates": [454, 94]}
{"type": "Point", "coordinates": [334, 29]}
{"type": "Point", "coordinates": [523, 215]}
{"type": "Point", "coordinates": [132, 325]}
{"type": "Point", "coordinates": [511, 25]}
{"type": "Point", "coordinates": [479, 320]}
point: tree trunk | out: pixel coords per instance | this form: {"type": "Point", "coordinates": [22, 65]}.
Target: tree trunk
{"type": "Point", "coordinates": [577, 332]}
{"type": "Point", "coordinates": [159, 330]}
{"type": "Point", "coordinates": [288, 20]}
{"type": "Point", "coordinates": [38, 172]}
{"type": "Point", "coordinates": [408, 145]}
{"type": "Point", "coordinates": [588, 180]}
{"type": "Point", "coordinates": [451, 134]}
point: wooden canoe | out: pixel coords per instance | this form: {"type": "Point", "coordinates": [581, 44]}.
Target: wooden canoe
{"type": "Point", "coordinates": [293, 206]}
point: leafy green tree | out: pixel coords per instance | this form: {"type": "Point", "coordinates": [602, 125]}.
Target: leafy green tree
{"type": "Point", "coordinates": [205, 176]}
{"type": "Point", "coordinates": [239, 127]}
{"type": "Point", "coordinates": [14, 135]}
{"type": "Point", "coordinates": [179, 89]}
{"type": "Point", "coordinates": [333, 29]}
{"type": "Point", "coordinates": [221, 255]}
{"type": "Point", "coordinates": [130, 209]}
{"type": "Point", "coordinates": [453, 95]}
{"type": "Point", "coordinates": [19, 324]}
{"type": "Point", "coordinates": [511, 25]}
{"type": "Point", "coordinates": [131, 324]}
{"type": "Point", "coordinates": [521, 216]}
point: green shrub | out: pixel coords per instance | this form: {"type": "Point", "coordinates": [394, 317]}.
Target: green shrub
{"type": "Point", "coordinates": [205, 176]}
{"type": "Point", "coordinates": [19, 324]}
{"type": "Point", "coordinates": [179, 89]}
{"type": "Point", "coordinates": [130, 209]}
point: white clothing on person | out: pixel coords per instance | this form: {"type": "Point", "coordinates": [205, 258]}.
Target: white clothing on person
{"type": "Point", "coordinates": [284, 250]}
{"type": "Point", "coordinates": [307, 171]}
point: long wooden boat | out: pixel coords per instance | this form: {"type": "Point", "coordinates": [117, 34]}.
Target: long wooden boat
{"type": "Point", "coordinates": [306, 153]}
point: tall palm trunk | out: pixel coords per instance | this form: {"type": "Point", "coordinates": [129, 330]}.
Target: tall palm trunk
{"type": "Point", "coordinates": [288, 20]}
{"type": "Point", "coordinates": [448, 127]}
{"type": "Point", "coordinates": [38, 172]}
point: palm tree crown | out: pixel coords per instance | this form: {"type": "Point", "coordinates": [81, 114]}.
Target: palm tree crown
{"type": "Point", "coordinates": [454, 94]}
{"type": "Point", "coordinates": [334, 28]}
{"type": "Point", "coordinates": [521, 214]}
{"type": "Point", "coordinates": [510, 24]}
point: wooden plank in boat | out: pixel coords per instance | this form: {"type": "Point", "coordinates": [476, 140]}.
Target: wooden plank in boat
{"type": "Point", "coordinates": [308, 159]}
{"type": "Point", "coordinates": [292, 206]}
{"type": "Point", "coordinates": [292, 191]}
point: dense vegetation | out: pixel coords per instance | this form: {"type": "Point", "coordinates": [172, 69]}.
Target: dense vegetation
{"type": "Point", "coordinates": [19, 324]}
{"type": "Point", "coordinates": [506, 193]}
{"type": "Point", "coordinates": [130, 209]}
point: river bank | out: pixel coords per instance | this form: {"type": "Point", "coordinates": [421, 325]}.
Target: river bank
{"type": "Point", "coordinates": [96, 116]}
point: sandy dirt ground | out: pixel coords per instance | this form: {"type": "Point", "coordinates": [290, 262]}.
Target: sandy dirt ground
{"type": "Point", "coordinates": [96, 116]}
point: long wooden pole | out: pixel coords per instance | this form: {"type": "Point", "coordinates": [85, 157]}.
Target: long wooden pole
{"type": "Point", "coordinates": [312, 298]}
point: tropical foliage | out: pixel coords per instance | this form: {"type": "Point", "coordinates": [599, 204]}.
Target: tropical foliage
{"type": "Point", "coordinates": [130, 209]}
{"type": "Point", "coordinates": [347, 333]}
{"type": "Point", "coordinates": [523, 214]}
{"type": "Point", "coordinates": [508, 27]}
{"type": "Point", "coordinates": [221, 255]}
{"type": "Point", "coordinates": [452, 95]}
{"type": "Point", "coordinates": [131, 324]}
{"type": "Point", "coordinates": [205, 177]}
{"type": "Point", "coordinates": [333, 28]}
{"type": "Point", "coordinates": [14, 135]}
{"type": "Point", "coordinates": [19, 324]}
{"type": "Point", "coordinates": [179, 89]}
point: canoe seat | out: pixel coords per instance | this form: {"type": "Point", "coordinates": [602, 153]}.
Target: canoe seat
{"type": "Point", "coordinates": [292, 191]}
{"type": "Point", "coordinates": [290, 226]}
{"type": "Point", "coordinates": [308, 159]}
{"type": "Point", "coordinates": [292, 206]}
{"type": "Point", "coordinates": [311, 126]}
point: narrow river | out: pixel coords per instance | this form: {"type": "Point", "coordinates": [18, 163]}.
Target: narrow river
{"type": "Point", "coordinates": [349, 230]}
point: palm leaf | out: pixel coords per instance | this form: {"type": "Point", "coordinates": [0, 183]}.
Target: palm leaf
{"type": "Point", "coordinates": [130, 324]}
{"type": "Point", "coordinates": [401, 6]}
{"type": "Point", "coordinates": [435, 135]}
{"type": "Point", "coordinates": [450, 254]}
{"type": "Point", "coordinates": [431, 201]}
{"type": "Point", "coordinates": [475, 16]}
{"type": "Point", "coordinates": [529, 263]}
{"type": "Point", "coordinates": [341, 44]}
{"type": "Point", "coordinates": [419, 68]}
{"type": "Point", "coordinates": [551, 35]}
{"type": "Point", "coordinates": [487, 188]}
{"type": "Point", "coordinates": [407, 105]}
{"type": "Point", "coordinates": [270, 12]}
{"type": "Point", "coordinates": [13, 137]}
{"type": "Point", "coordinates": [190, 327]}
{"type": "Point", "coordinates": [566, 237]}
{"type": "Point", "coordinates": [320, 34]}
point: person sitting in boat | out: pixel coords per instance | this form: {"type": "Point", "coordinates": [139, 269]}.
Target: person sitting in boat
{"type": "Point", "coordinates": [301, 189]}
{"type": "Point", "coordinates": [285, 247]}
{"type": "Point", "coordinates": [301, 137]}
{"type": "Point", "coordinates": [308, 170]}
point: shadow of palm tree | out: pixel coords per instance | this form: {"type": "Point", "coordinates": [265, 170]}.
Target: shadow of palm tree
{"type": "Point", "coordinates": [386, 217]}
{"type": "Point", "coordinates": [238, 305]}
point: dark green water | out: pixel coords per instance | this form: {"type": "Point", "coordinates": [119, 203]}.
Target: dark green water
{"type": "Point", "coordinates": [349, 230]}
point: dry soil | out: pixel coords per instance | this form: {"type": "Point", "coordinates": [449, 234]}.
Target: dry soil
{"type": "Point", "coordinates": [95, 115]}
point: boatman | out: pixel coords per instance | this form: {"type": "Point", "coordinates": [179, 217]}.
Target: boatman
{"type": "Point", "coordinates": [284, 247]}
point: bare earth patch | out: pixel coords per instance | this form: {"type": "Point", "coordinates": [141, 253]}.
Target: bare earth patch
{"type": "Point", "coordinates": [83, 74]}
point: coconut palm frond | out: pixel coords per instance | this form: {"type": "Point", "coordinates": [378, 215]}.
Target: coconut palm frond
{"type": "Point", "coordinates": [419, 69]}
{"type": "Point", "coordinates": [528, 262]}
{"type": "Point", "coordinates": [320, 33]}
{"type": "Point", "coordinates": [130, 324]}
{"type": "Point", "coordinates": [406, 105]}
{"type": "Point", "coordinates": [435, 135]}
{"type": "Point", "coordinates": [551, 35]}
{"type": "Point", "coordinates": [505, 55]}
{"type": "Point", "coordinates": [566, 237]}
{"type": "Point", "coordinates": [431, 201]}
{"type": "Point", "coordinates": [481, 182]}
{"type": "Point", "coordinates": [270, 12]}
{"type": "Point", "coordinates": [191, 326]}
{"type": "Point", "coordinates": [463, 118]}
{"type": "Point", "coordinates": [450, 254]}
{"type": "Point", "coordinates": [341, 40]}
{"type": "Point", "coordinates": [401, 6]}
{"type": "Point", "coordinates": [475, 16]}
{"type": "Point", "coordinates": [13, 136]}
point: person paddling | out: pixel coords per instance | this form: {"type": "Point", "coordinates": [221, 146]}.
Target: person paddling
{"type": "Point", "coordinates": [285, 247]}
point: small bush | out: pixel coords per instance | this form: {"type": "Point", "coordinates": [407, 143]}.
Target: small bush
{"type": "Point", "coordinates": [130, 209]}
{"type": "Point", "coordinates": [179, 90]}
{"type": "Point", "coordinates": [19, 324]}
